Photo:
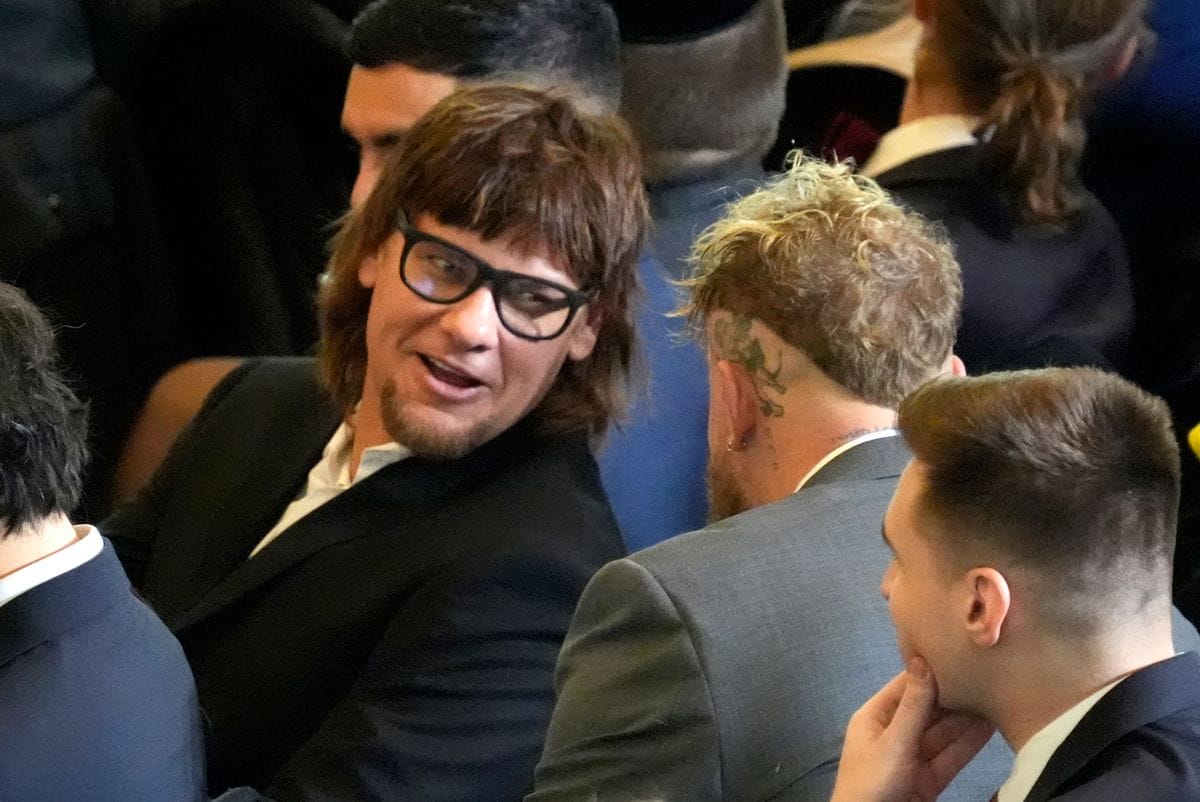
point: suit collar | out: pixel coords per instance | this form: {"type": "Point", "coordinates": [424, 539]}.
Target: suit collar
{"type": "Point", "coordinates": [272, 472]}
{"type": "Point", "coordinates": [45, 612]}
{"type": "Point", "coordinates": [1142, 698]}
{"type": "Point", "coordinates": [884, 458]}
{"type": "Point", "coordinates": [374, 504]}
{"type": "Point", "coordinates": [944, 165]}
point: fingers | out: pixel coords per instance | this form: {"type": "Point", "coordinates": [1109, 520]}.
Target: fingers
{"type": "Point", "coordinates": [918, 705]}
{"type": "Point", "coordinates": [973, 734]}
{"type": "Point", "coordinates": [881, 708]}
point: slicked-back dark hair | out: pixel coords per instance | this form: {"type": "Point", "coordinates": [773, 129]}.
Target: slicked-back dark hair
{"type": "Point", "coordinates": [1071, 474]}
{"type": "Point", "coordinates": [43, 425]}
{"type": "Point", "coordinates": [572, 42]}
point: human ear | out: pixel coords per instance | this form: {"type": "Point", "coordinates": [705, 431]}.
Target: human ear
{"type": "Point", "coordinates": [582, 338]}
{"type": "Point", "coordinates": [988, 602]}
{"type": "Point", "coordinates": [368, 271]}
{"type": "Point", "coordinates": [738, 401]}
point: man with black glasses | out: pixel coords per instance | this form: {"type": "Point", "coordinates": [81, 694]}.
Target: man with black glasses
{"type": "Point", "coordinates": [371, 559]}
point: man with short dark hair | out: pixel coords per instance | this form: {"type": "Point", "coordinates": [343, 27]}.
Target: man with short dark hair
{"type": "Point", "coordinates": [372, 570]}
{"type": "Point", "coordinates": [408, 54]}
{"type": "Point", "coordinates": [95, 695]}
{"type": "Point", "coordinates": [1033, 535]}
{"type": "Point", "coordinates": [722, 664]}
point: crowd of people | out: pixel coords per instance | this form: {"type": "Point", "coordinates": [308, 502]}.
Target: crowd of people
{"type": "Point", "coordinates": [613, 458]}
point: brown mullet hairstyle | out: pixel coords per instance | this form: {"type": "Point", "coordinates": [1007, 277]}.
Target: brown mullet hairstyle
{"type": "Point", "coordinates": [531, 166]}
{"type": "Point", "coordinates": [1071, 474]}
{"type": "Point", "coordinates": [1028, 66]}
{"type": "Point", "coordinates": [869, 291]}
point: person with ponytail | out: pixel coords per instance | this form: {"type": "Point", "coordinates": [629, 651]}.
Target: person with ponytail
{"type": "Point", "coordinates": [989, 143]}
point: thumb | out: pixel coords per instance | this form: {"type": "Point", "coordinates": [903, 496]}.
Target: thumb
{"type": "Point", "coordinates": [916, 708]}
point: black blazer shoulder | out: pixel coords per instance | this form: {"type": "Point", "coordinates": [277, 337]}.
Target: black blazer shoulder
{"type": "Point", "coordinates": [1030, 296]}
{"type": "Point", "coordinates": [396, 642]}
{"type": "Point", "coordinates": [97, 696]}
{"type": "Point", "coordinates": [1140, 742]}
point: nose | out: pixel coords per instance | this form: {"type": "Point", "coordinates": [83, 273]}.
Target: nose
{"type": "Point", "coordinates": [364, 182]}
{"type": "Point", "coordinates": [473, 322]}
{"type": "Point", "coordinates": [885, 584]}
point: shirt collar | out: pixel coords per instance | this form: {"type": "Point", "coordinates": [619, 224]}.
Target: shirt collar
{"type": "Point", "coordinates": [1031, 760]}
{"type": "Point", "coordinates": [334, 468]}
{"type": "Point", "coordinates": [87, 545]}
{"type": "Point", "coordinates": [842, 449]}
{"type": "Point", "coordinates": [920, 138]}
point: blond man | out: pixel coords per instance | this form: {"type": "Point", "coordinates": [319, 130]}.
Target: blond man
{"type": "Point", "coordinates": [724, 663]}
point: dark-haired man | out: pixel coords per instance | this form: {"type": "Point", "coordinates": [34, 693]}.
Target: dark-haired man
{"type": "Point", "coordinates": [1033, 535]}
{"type": "Point", "coordinates": [371, 574]}
{"type": "Point", "coordinates": [95, 694]}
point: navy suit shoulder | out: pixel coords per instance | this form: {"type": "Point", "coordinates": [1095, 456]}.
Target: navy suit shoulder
{"type": "Point", "coordinates": [1030, 296]}
{"type": "Point", "coordinates": [398, 641]}
{"type": "Point", "coordinates": [1140, 743]}
{"type": "Point", "coordinates": [96, 696]}
{"type": "Point", "coordinates": [654, 464]}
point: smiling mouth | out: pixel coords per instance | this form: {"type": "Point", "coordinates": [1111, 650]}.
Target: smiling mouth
{"type": "Point", "coordinates": [448, 375]}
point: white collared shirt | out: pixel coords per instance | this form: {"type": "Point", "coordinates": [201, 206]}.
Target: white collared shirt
{"type": "Point", "coordinates": [842, 449]}
{"type": "Point", "coordinates": [920, 138]}
{"type": "Point", "coordinates": [1036, 753]}
{"type": "Point", "coordinates": [87, 545]}
{"type": "Point", "coordinates": [331, 476]}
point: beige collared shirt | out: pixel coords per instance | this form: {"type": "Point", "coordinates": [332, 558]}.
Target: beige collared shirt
{"type": "Point", "coordinates": [920, 138]}
{"type": "Point", "coordinates": [87, 545]}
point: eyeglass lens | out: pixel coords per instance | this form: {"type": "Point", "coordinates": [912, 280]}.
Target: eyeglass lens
{"type": "Point", "coordinates": [527, 306]}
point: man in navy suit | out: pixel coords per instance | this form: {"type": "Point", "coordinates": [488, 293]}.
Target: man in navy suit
{"type": "Point", "coordinates": [95, 694]}
{"type": "Point", "coordinates": [1033, 535]}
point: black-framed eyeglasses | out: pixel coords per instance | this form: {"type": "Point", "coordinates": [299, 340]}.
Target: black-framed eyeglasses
{"type": "Point", "coordinates": [442, 273]}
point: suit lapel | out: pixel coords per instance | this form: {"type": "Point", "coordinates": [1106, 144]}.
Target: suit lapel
{"type": "Point", "coordinates": [381, 502]}
{"type": "Point", "coordinates": [206, 548]}
{"type": "Point", "coordinates": [1140, 699]}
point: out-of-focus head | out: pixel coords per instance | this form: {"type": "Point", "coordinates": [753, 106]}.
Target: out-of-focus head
{"type": "Point", "coordinates": [1028, 66]}
{"type": "Point", "coordinates": [820, 272]}
{"type": "Point", "coordinates": [43, 425]}
{"type": "Point", "coordinates": [703, 83]}
{"type": "Point", "coordinates": [526, 182]}
{"type": "Point", "coordinates": [409, 54]}
{"type": "Point", "coordinates": [1049, 493]}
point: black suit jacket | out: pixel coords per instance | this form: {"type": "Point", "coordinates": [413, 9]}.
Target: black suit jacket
{"type": "Point", "coordinates": [396, 643]}
{"type": "Point", "coordinates": [96, 700]}
{"type": "Point", "coordinates": [1029, 298]}
{"type": "Point", "coordinates": [1140, 742]}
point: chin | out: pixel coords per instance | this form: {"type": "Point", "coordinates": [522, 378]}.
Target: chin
{"type": "Point", "coordinates": [431, 433]}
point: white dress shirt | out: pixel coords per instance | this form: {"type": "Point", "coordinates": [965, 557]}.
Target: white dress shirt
{"type": "Point", "coordinates": [331, 476]}
{"type": "Point", "coordinates": [920, 138]}
{"type": "Point", "coordinates": [87, 545]}
{"type": "Point", "coordinates": [1036, 753]}
{"type": "Point", "coordinates": [842, 449]}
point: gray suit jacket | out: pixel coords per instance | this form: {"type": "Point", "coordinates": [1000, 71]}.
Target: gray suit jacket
{"type": "Point", "coordinates": [725, 663]}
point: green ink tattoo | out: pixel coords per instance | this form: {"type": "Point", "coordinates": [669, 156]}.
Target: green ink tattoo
{"type": "Point", "coordinates": [735, 342]}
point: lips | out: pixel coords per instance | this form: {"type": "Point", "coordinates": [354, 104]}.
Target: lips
{"type": "Point", "coordinates": [450, 376]}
